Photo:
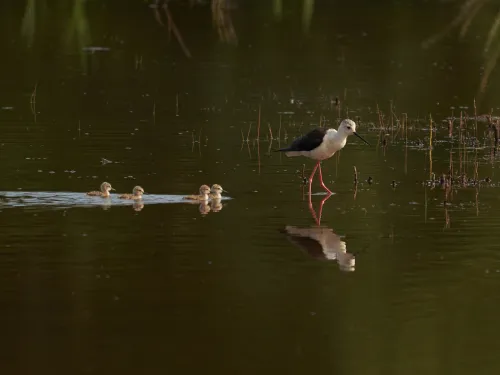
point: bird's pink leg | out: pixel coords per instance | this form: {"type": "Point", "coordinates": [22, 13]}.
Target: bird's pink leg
{"type": "Point", "coordinates": [315, 217]}
{"type": "Point", "coordinates": [311, 178]}
{"type": "Point", "coordinates": [321, 207]}
{"type": "Point", "coordinates": [311, 208]}
{"type": "Point", "coordinates": [321, 180]}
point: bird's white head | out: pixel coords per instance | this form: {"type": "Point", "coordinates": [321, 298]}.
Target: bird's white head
{"type": "Point", "coordinates": [348, 127]}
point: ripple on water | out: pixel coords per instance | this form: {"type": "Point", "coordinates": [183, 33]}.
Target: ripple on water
{"type": "Point", "coordinates": [66, 199]}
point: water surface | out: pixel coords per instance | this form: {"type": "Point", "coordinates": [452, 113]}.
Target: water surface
{"type": "Point", "coordinates": [165, 288]}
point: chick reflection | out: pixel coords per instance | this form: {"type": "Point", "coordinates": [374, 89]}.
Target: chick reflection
{"type": "Point", "coordinates": [106, 205]}
{"type": "Point", "coordinates": [204, 208]}
{"type": "Point", "coordinates": [216, 205]}
{"type": "Point", "coordinates": [138, 206]}
{"type": "Point", "coordinates": [321, 243]}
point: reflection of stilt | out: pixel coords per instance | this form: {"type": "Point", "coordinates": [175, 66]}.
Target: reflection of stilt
{"type": "Point", "coordinates": [317, 218]}
{"type": "Point", "coordinates": [323, 244]}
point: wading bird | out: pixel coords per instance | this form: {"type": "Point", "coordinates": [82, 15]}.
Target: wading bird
{"type": "Point", "coordinates": [320, 144]}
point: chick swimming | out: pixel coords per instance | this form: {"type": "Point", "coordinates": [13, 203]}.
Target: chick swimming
{"type": "Point", "coordinates": [136, 194]}
{"type": "Point", "coordinates": [105, 188]}
{"type": "Point", "coordinates": [204, 191]}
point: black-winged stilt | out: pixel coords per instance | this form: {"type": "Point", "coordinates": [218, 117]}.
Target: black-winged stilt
{"type": "Point", "coordinates": [320, 144]}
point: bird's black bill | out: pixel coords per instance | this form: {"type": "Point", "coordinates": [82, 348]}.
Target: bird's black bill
{"type": "Point", "coordinates": [360, 137]}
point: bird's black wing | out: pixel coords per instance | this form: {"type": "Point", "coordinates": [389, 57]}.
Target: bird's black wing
{"type": "Point", "coordinates": [308, 141]}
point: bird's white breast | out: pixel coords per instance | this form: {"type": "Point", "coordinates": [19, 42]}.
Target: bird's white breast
{"type": "Point", "coordinates": [327, 149]}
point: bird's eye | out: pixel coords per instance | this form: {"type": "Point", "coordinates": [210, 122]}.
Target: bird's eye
{"type": "Point", "coordinates": [348, 128]}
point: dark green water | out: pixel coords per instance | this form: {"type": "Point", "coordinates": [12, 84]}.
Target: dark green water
{"type": "Point", "coordinates": [168, 290]}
